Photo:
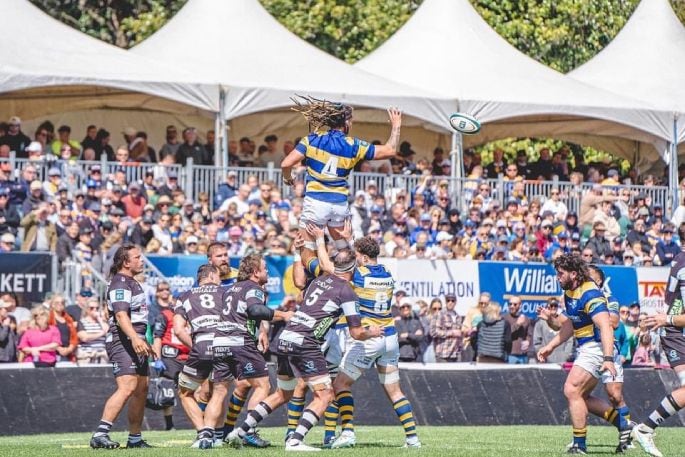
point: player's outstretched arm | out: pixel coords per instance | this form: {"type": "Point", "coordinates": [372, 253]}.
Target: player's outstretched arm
{"type": "Point", "coordinates": [389, 149]}
{"type": "Point", "coordinates": [292, 159]}
{"type": "Point", "coordinates": [565, 332]}
{"type": "Point", "coordinates": [321, 252]}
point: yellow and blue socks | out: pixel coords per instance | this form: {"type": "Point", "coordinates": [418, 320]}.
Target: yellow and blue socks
{"type": "Point", "coordinates": [667, 408]}
{"type": "Point", "coordinates": [330, 421]}
{"type": "Point", "coordinates": [235, 405]}
{"type": "Point", "coordinates": [295, 408]}
{"type": "Point", "coordinates": [345, 403]}
{"type": "Point", "coordinates": [405, 413]}
{"type": "Point", "coordinates": [579, 437]}
{"type": "Point", "coordinates": [618, 417]}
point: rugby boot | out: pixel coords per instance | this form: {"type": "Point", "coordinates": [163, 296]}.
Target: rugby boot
{"type": "Point", "coordinates": [102, 442]}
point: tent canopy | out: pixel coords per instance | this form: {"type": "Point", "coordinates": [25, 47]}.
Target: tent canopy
{"type": "Point", "coordinates": [446, 46]}
{"type": "Point", "coordinates": [261, 64]}
{"type": "Point", "coordinates": [48, 67]}
{"type": "Point", "coordinates": [646, 60]}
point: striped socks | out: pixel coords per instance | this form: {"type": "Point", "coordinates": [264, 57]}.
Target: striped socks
{"type": "Point", "coordinates": [308, 420]}
{"type": "Point", "coordinates": [666, 409]}
{"type": "Point", "coordinates": [235, 405]}
{"type": "Point", "coordinates": [405, 413]}
{"type": "Point", "coordinates": [295, 408]}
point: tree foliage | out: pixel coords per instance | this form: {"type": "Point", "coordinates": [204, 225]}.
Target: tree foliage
{"type": "Point", "coordinates": [120, 22]}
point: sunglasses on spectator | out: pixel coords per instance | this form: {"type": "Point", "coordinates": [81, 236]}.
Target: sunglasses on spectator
{"type": "Point", "coordinates": [162, 289]}
{"type": "Point", "coordinates": [484, 302]}
{"type": "Point", "coordinates": [450, 300]}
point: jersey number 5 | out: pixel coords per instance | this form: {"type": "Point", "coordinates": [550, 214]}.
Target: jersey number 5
{"type": "Point", "coordinates": [313, 296]}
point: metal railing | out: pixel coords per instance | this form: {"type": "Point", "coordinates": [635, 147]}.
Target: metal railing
{"type": "Point", "coordinates": [196, 179]}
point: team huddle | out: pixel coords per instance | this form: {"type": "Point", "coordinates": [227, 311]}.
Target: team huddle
{"type": "Point", "coordinates": [343, 325]}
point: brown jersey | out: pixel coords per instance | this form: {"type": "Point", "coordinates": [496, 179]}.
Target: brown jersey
{"type": "Point", "coordinates": [236, 324]}
{"type": "Point", "coordinates": [202, 307]}
{"type": "Point", "coordinates": [327, 298]}
{"type": "Point", "coordinates": [126, 294]}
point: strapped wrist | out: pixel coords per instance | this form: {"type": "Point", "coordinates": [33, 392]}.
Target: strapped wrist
{"type": "Point", "coordinates": [608, 358]}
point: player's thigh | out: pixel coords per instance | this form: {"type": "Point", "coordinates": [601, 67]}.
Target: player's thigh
{"type": "Point", "coordinates": [579, 382]}
{"type": "Point", "coordinates": [323, 214]}
{"type": "Point", "coordinates": [361, 355]}
{"type": "Point", "coordinates": [389, 356]}
{"type": "Point", "coordinates": [674, 348]}
{"type": "Point", "coordinates": [127, 383]}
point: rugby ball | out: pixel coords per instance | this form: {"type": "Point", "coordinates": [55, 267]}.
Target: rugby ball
{"type": "Point", "coordinates": [465, 123]}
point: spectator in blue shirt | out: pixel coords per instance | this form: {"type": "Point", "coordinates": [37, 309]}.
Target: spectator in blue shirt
{"type": "Point", "coordinates": [227, 189]}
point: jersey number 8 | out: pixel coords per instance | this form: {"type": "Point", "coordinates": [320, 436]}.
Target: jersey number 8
{"type": "Point", "coordinates": [207, 301]}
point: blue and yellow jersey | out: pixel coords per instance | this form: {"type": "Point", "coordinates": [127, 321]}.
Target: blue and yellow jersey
{"type": "Point", "coordinates": [231, 278]}
{"type": "Point", "coordinates": [582, 304]}
{"type": "Point", "coordinates": [329, 158]}
{"type": "Point", "coordinates": [374, 286]}
{"type": "Point", "coordinates": [612, 304]}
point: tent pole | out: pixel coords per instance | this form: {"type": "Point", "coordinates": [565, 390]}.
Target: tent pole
{"type": "Point", "coordinates": [673, 165]}
{"type": "Point", "coordinates": [224, 131]}
{"type": "Point", "coordinates": [456, 164]}
{"type": "Point", "coordinates": [217, 136]}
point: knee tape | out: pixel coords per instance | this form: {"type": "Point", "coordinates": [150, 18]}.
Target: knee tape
{"type": "Point", "coordinates": [322, 383]}
{"type": "Point", "coordinates": [188, 383]}
{"type": "Point", "coordinates": [286, 384]}
{"type": "Point", "coordinates": [681, 376]}
{"type": "Point", "coordinates": [392, 377]}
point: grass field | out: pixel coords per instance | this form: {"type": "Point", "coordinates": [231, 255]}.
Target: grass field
{"type": "Point", "coordinates": [528, 441]}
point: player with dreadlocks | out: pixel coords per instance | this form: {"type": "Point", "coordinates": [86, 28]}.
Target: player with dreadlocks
{"type": "Point", "coordinates": [330, 155]}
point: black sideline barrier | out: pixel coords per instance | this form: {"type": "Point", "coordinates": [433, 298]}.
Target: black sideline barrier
{"type": "Point", "coordinates": [71, 399]}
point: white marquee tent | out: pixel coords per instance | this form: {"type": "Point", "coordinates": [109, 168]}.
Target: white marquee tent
{"type": "Point", "coordinates": [446, 46]}
{"type": "Point", "coordinates": [48, 67]}
{"type": "Point", "coordinates": [261, 64]}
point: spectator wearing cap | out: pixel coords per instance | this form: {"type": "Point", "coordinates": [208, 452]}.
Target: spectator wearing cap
{"type": "Point", "coordinates": [63, 139]}
{"type": "Point", "coordinates": [455, 222]}
{"type": "Point", "coordinates": [83, 251]}
{"type": "Point", "coordinates": [35, 152]}
{"type": "Point", "coordinates": [40, 234]}
{"type": "Point", "coordinates": [561, 243]}
{"type": "Point", "coordinates": [425, 226]}
{"type": "Point", "coordinates": [543, 237]}
{"type": "Point", "coordinates": [543, 333]}
{"type": "Point", "coordinates": [657, 214]}
{"type": "Point", "coordinates": [598, 244]}
{"type": "Point", "coordinates": [524, 169]}
{"type": "Point", "coordinates": [409, 332]}
{"type": "Point", "coordinates": [638, 235]}
{"type": "Point", "coordinates": [36, 197]}
{"type": "Point", "coordinates": [15, 139]}
{"type": "Point", "coordinates": [667, 248]}
{"type": "Point", "coordinates": [226, 189]}
{"type": "Point", "coordinates": [52, 184]}
{"type": "Point", "coordinates": [604, 214]}
{"type": "Point", "coordinates": [499, 253]}
{"type": "Point", "coordinates": [134, 202]}
{"type": "Point", "coordinates": [190, 245]}
{"type": "Point", "coordinates": [93, 193]}
{"type": "Point", "coordinates": [171, 184]}
{"type": "Point", "coordinates": [442, 248]}
{"type": "Point", "coordinates": [612, 178]}
{"type": "Point", "coordinates": [142, 231]}
{"type": "Point", "coordinates": [9, 215]}
{"type": "Point", "coordinates": [446, 332]}
{"type": "Point", "coordinates": [7, 243]}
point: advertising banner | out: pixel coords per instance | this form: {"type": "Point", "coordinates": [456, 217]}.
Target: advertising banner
{"type": "Point", "coordinates": [651, 287]}
{"type": "Point", "coordinates": [29, 275]}
{"type": "Point", "coordinates": [428, 279]}
{"type": "Point", "coordinates": [621, 283]}
{"type": "Point", "coordinates": [181, 271]}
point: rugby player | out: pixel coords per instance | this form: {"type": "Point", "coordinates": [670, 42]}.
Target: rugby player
{"type": "Point", "coordinates": [329, 158]}
{"type": "Point", "coordinates": [127, 349]}
{"type": "Point", "coordinates": [617, 413]}
{"type": "Point", "coordinates": [301, 341]}
{"type": "Point", "coordinates": [673, 344]}
{"type": "Point", "coordinates": [374, 285]}
{"type": "Point", "coordinates": [587, 318]}
{"type": "Point", "coordinates": [201, 308]}
{"type": "Point", "coordinates": [236, 335]}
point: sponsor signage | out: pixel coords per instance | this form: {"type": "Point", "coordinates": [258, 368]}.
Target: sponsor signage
{"type": "Point", "coordinates": [29, 275]}
{"type": "Point", "coordinates": [651, 289]}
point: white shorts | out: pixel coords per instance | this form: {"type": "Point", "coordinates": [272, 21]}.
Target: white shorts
{"type": "Point", "coordinates": [334, 346]}
{"type": "Point", "coordinates": [383, 351]}
{"type": "Point", "coordinates": [324, 213]}
{"type": "Point", "coordinates": [590, 358]}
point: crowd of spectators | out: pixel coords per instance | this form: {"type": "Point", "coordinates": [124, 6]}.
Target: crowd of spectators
{"type": "Point", "coordinates": [614, 225]}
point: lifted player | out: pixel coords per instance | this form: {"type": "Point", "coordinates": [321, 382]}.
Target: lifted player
{"type": "Point", "coordinates": [236, 335]}
{"type": "Point", "coordinates": [587, 318]}
{"type": "Point", "coordinates": [330, 157]}
{"type": "Point", "coordinates": [374, 286]}
{"type": "Point", "coordinates": [201, 307]}
{"type": "Point", "coordinates": [673, 343]}
{"type": "Point", "coordinates": [327, 297]}
{"type": "Point", "coordinates": [127, 349]}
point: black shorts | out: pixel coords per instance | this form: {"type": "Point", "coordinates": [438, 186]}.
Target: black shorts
{"type": "Point", "coordinates": [245, 362]}
{"type": "Point", "coordinates": [173, 368]}
{"type": "Point", "coordinates": [283, 367]}
{"type": "Point", "coordinates": [308, 364]}
{"type": "Point", "coordinates": [202, 365]}
{"type": "Point", "coordinates": [674, 348]}
{"type": "Point", "coordinates": [124, 359]}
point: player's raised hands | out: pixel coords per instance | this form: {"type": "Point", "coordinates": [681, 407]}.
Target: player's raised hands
{"type": "Point", "coordinates": [315, 231]}
{"type": "Point", "coordinates": [395, 116]}
{"type": "Point", "coordinates": [346, 232]}
{"type": "Point", "coordinates": [299, 242]}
